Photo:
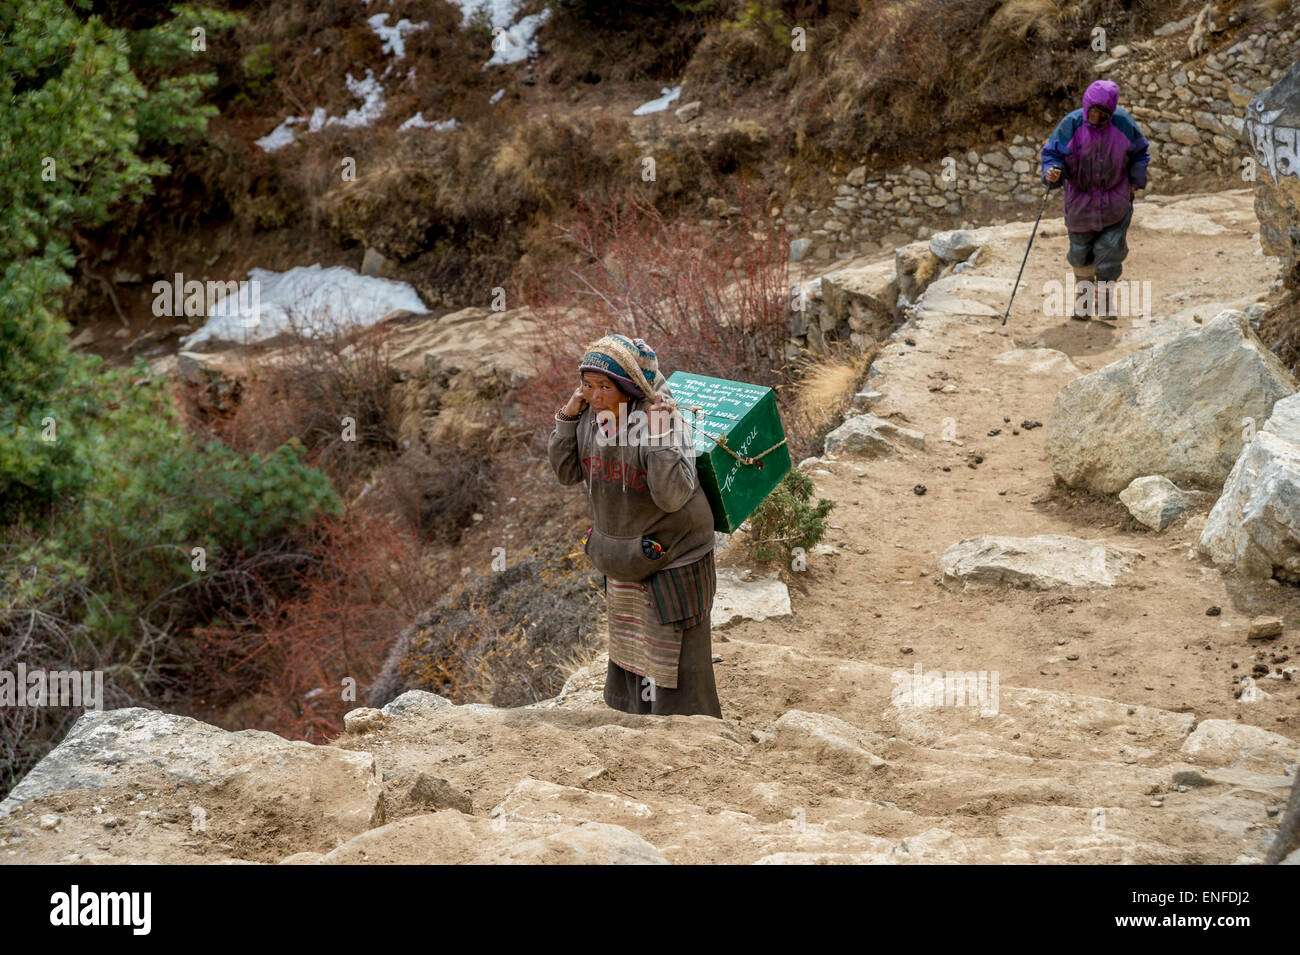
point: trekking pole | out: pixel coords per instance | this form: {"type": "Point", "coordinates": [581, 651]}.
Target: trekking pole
{"type": "Point", "coordinates": [1041, 205]}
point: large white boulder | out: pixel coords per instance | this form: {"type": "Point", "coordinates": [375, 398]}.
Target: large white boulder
{"type": "Point", "coordinates": [1229, 743]}
{"type": "Point", "coordinates": [1179, 408]}
{"type": "Point", "coordinates": [173, 788]}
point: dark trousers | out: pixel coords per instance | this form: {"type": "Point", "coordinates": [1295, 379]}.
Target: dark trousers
{"type": "Point", "coordinates": [696, 692]}
{"type": "Point", "coordinates": [1104, 249]}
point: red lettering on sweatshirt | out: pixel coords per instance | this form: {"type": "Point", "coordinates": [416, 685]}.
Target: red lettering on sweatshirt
{"type": "Point", "coordinates": [597, 467]}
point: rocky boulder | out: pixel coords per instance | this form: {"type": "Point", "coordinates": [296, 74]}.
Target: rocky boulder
{"type": "Point", "coordinates": [1255, 525]}
{"type": "Point", "coordinates": [141, 785]}
{"type": "Point", "coordinates": [869, 435]}
{"type": "Point", "coordinates": [1180, 408]}
{"type": "Point", "coordinates": [865, 298]}
{"type": "Point", "coordinates": [954, 246]}
{"type": "Point", "coordinates": [1155, 501]}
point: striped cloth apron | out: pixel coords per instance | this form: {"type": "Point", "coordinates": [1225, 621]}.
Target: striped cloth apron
{"type": "Point", "coordinates": [638, 641]}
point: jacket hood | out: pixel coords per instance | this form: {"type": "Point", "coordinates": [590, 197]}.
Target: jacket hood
{"type": "Point", "coordinates": [1103, 93]}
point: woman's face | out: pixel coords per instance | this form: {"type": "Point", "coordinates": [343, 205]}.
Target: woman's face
{"type": "Point", "coordinates": [601, 392]}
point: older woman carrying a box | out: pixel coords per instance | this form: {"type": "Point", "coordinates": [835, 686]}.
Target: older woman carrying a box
{"type": "Point", "coordinates": [620, 435]}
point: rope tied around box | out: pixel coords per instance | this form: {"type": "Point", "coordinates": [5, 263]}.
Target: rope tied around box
{"type": "Point", "coordinates": [721, 439]}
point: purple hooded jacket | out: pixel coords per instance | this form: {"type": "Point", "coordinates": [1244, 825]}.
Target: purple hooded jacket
{"type": "Point", "coordinates": [1099, 162]}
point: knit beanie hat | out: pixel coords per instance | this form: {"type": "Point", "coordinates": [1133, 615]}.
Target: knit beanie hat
{"type": "Point", "coordinates": [630, 362]}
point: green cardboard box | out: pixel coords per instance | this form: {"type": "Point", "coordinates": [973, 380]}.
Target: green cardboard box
{"type": "Point", "coordinates": [745, 418]}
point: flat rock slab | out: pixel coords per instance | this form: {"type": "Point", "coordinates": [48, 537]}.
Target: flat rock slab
{"type": "Point", "coordinates": [450, 837]}
{"type": "Point", "coordinates": [1039, 563]}
{"type": "Point", "coordinates": [743, 598]}
{"type": "Point", "coordinates": [803, 730]}
{"type": "Point", "coordinates": [938, 301]}
{"type": "Point", "coordinates": [1038, 361]}
{"type": "Point", "coordinates": [248, 791]}
{"type": "Point", "coordinates": [991, 290]}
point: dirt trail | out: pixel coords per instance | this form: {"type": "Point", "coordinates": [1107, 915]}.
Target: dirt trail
{"type": "Point", "coordinates": [1116, 736]}
{"type": "Point", "coordinates": [1146, 642]}
{"type": "Point", "coordinates": [1100, 689]}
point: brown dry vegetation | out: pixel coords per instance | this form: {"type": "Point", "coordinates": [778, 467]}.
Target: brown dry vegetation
{"type": "Point", "coordinates": [507, 637]}
{"type": "Point", "coordinates": [465, 211]}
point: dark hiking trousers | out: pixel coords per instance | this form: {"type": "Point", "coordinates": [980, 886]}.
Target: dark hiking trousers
{"type": "Point", "coordinates": [696, 692]}
{"type": "Point", "coordinates": [1104, 250]}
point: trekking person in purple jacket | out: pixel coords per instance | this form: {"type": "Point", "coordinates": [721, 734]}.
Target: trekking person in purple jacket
{"type": "Point", "coordinates": [1102, 156]}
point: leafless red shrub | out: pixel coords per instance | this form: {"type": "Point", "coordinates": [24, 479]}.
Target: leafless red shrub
{"type": "Point", "coordinates": [710, 297]}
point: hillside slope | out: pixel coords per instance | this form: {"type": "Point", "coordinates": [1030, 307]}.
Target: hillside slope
{"type": "Point", "coordinates": [1116, 736]}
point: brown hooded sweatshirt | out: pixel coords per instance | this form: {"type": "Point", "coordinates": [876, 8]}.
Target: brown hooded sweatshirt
{"type": "Point", "coordinates": [635, 489]}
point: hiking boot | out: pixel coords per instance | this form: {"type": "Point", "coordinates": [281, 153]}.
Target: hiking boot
{"type": "Point", "coordinates": [1085, 300]}
{"type": "Point", "coordinates": [1106, 302]}
{"type": "Point", "coordinates": [1085, 296]}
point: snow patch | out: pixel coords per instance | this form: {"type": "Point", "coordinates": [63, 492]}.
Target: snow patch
{"type": "Point", "coordinates": [500, 13]}
{"type": "Point", "coordinates": [517, 41]}
{"type": "Point", "coordinates": [369, 90]}
{"type": "Point", "coordinates": [279, 137]}
{"type": "Point", "coordinates": [318, 300]}
{"type": "Point", "coordinates": [371, 93]}
{"type": "Point", "coordinates": [419, 122]}
{"type": "Point", "coordinates": [660, 104]}
{"type": "Point", "coordinates": [394, 37]}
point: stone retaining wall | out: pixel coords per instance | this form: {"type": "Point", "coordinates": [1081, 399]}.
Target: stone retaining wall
{"type": "Point", "coordinates": [1191, 112]}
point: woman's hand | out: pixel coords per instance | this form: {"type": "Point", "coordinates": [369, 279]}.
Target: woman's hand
{"type": "Point", "coordinates": [1053, 174]}
{"type": "Point", "coordinates": [576, 402]}
{"type": "Point", "coordinates": [660, 414]}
